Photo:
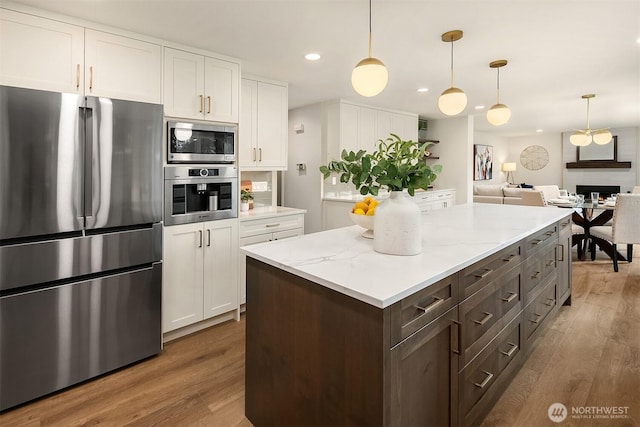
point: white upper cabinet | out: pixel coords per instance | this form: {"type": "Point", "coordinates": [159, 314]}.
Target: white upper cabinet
{"type": "Point", "coordinates": [263, 126]}
{"type": "Point", "coordinates": [200, 87]}
{"type": "Point", "coordinates": [122, 67]}
{"type": "Point", "coordinates": [40, 53]}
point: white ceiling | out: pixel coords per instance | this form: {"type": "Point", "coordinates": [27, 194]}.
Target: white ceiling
{"type": "Point", "coordinates": [557, 50]}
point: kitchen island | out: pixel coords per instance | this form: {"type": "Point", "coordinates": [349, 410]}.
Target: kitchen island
{"type": "Point", "coordinates": [338, 334]}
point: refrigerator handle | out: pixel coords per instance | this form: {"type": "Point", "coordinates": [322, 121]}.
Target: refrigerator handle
{"type": "Point", "coordinates": [88, 162]}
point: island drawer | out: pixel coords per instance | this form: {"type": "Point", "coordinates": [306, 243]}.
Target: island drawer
{"type": "Point", "coordinates": [482, 382]}
{"type": "Point", "coordinates": [482, 272]}
{"type": "Point", "coordinates": [536, 313]}
{"type": "Point", "coordinates": [536, 271]}
{"type": "Point", "coordinates": [484, 314]}
{"type": "Point", "coordinates": [255, 227]}
{"type": "Point", "coordinates": [540, 239]}
{"type": "Point", "coordinates": [413, 312]}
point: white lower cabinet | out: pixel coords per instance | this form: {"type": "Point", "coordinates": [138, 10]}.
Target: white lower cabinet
{"type": "Point", "coordinates": [265, 230]}
{"type": "Point", "coordinates": [200, 272]}
{"type": "Point", "coordinates": [436, 199]}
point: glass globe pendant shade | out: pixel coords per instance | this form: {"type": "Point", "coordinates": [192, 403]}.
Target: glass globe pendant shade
{"type": "Point", "coordinates": [602, 137]}
{"type": "Point", "coordinates": [452, 101]}
{"type": "Point", "coordinates": [370, 77]}
{"type": "Point", "coordinates": [498, 115]}
{"type": "Point", "coordinates": [580, 138]}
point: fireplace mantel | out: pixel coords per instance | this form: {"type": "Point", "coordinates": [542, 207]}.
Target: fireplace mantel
{"type": "Point", "coordinates": [598, 164]}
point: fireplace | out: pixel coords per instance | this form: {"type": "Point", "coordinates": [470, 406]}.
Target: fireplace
{"type": "Point", "coordinates": [604, 190]}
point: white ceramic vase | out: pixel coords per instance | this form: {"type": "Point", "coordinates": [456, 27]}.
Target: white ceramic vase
{"type": "Point", "coordinates": [397, 226]}
{"type": "Point", "coordinates": [244, 207]}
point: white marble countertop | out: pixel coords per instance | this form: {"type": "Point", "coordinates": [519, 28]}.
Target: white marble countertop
{"type": "Point", "coordinates": [452, 239]}
{"type": "Point", "coordinates": [269, 212]}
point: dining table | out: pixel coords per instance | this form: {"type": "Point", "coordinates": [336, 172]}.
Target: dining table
{"type": "Point", "coordinates": [589, 214]}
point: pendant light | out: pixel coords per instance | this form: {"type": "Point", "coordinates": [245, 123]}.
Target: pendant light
{"type": "Point", "coordinates": [370, 76]}
{"type": "Point", "coordinates": [499, 114]}
{"type": "Point", "coordinates": [584, 137]}
{"type": "Point", "coordinates": [453, 100]}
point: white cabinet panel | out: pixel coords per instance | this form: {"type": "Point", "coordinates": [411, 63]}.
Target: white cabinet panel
{"type": "Point", "coordinates": [123, 68]}
{"type": "Point", "coordinates": [221, 84]}
{"type": "Point", "coordinates": [367, 130]}
{"type": "Point", "coordinates": [263, 128]}
{"type": "Point", "coordinates": [220, 268]}
{"type": "Point", "coordinates": [39, 53]}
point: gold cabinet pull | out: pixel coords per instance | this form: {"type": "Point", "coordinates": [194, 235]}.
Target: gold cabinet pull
{"type": "Point", "coordinates": [484, 320]}
{"type": "Point", "coordinates": [277, 224]}
{"type": "Point", "coordinates": [77, 76]}
{"type": "Point", "coordinates": [260, 154]}
{"type": "Point", "coordinates": [201, 103]}
{"type": "Point", "coordinates": [208, 237]}
{"type": "Point", "coordinates": [208, 105]}
{"type": "Point", "coordinates": [90, 78]}
{"type": "Point", "coordinates": [254, 154]}
{"type": "Point", "coordinates": [511, 297]}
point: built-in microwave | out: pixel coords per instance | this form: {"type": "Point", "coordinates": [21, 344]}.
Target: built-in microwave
{"type": "Point", "coordinates": [201, 143]}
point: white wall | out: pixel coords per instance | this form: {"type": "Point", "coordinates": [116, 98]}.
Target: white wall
{"type": "Point", "coordinates": [627, 152]}
{"type": "Point", "coordinates": [302, 189]}
{"type": "Point", "coordinates": [456, 154]}
{"type": "Point", "coordinates": [551, 173]}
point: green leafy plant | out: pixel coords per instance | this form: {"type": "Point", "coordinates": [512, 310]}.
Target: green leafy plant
{"type": "Point", "coordinates": [396, 165]}
{"type": "Point", "coordinates": [245, 195]}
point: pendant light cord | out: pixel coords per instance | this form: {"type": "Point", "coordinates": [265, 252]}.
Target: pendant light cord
{"type": "Point", "coordinates": [588, 128]}
{"type": "Point", "coordinates": [369, 28]}
{"type": "Point", "coordinates": [452, 62]}
{"type": "Point", "coordinates": [498, 88]}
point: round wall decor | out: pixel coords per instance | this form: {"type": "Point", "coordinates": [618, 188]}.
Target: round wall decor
{"type": "Point", "coordinates": [534, 157]}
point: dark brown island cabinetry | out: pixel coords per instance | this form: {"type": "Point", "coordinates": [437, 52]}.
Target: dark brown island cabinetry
{"type": "Point", "coordinates": [439, 357]}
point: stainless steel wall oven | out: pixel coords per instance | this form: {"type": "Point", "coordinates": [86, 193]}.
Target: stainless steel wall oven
{"type": "Point", "coordinates": [201, 143]}
{"type": "Point", "coordinates": [195, 194]}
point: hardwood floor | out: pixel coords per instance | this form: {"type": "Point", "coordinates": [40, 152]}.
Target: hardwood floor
{"type": "Point", "coordinates": [588, 357]}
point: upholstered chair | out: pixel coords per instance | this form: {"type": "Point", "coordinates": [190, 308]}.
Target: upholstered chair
{"type": "Point", "coordinates": [625, 228]}
{"type": "Point", "coordinates": [578, 238]}
{"type": "Point", "coordinates": [533, 198]}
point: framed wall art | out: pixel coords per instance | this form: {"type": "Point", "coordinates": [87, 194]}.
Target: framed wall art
{"type": "Point", "coordinates": [482, 162]}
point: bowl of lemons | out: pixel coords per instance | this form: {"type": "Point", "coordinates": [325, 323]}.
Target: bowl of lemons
{"type": "Point", "coordinates": [362, 214]}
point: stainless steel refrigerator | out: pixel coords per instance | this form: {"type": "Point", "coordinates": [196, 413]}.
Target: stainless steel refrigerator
{"type": "Point", "coordinates": [80, 238]}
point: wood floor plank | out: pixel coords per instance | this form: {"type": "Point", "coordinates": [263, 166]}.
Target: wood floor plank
{"type": "Point", "coordinates": [588, 356]}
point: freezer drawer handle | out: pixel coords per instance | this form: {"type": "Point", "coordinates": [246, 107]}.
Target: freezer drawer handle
{"type": "Point", "coordinates": [486, 380]}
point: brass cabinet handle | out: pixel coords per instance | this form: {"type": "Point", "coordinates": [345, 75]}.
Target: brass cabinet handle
{"type": "Point", "coordinates": [254, 154]}
{"type": "Point", "coordinates": [512, 350]}
{"type": "Point", "coordinates": [200, 244]}
{"type": "Point", "coordinates": [486, 380]}
{"type": "Point", "coordinates": [208, 105]}
{"type": "Point", "coordinates": [78, 76]}
{"type": "Point", "coordinates": [91, 78]}
{"type": "Point", "coordinates": [208, 237]}
{"type": "Point", "coordinates": [273, 225]}
{"type": "Point", "coordinates": [511, 297]}
{"type": "Point", "coordinates": [430, 307]}
{"type": "Point", "coordinates": [201, 103]}
{"type": "Point", "coordinates": [260, 154]}
{"type": "Point", "coordinates": [487, 271]}
{"type": "Point", "coordinates": [484, 320]}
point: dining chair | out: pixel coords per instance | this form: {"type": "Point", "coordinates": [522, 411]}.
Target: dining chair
{"type": "Point", "coordinates": [533, 198]}
{"type": "Point", "coordinates": [578, 237]}
{"type": "Point", "coordinates": [625, 228]}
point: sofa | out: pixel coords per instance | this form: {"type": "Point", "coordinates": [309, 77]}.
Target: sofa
{"type": "Point", "coordinates": [509, 194]}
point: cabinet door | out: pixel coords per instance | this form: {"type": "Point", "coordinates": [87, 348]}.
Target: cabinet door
{"type": "Point", "coordinates": [220, 267]}
{"type": "Point", "coordinates": [182, 276]}
{"type": "Point", "coordinates": [424, 376]}
{"type": "Point", "coordinates": [272, 126]}
{"type": "Point", "coordinates": [367, 130]}
{"type": "Point", "coordinates": [383, 125]}
{"type": "Point", "coordinates": [221, 90]}
{"type": "Point", "coordinates": [247, 150]}
{"type": "Point", "coordinates": [349, 119]}
{"type": "Point", "coordinates": [123, 68]}
{"type": "Point", "coordinates": [39, 53]}
{"type": "Point", "coordinates": [183, 84]}
{"type": "Point", "coordinates": [405, 126]}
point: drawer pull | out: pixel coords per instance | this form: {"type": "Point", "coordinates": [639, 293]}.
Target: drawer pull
{"type": "Point", "coordinates": [200, 244]}
{"type": "Point", "coordinates": [272, 225]}
{"type": "Point", "coordinates": [511, 297]}
{"type": "Point", "coordinates": [509, 258]}
{"type": "Point", "coordinates": [549, 233]}
{"type": "Point", "coordinates": [537, 320]}
{"type": "Point", "coordinates": [484, 320]}
{"type": "Point", "coordinates": [432, 306]}
{"type": "Point", "coordinates": [550, 302]}
{"type": "Point", "coordinates": [537, 242]}
{"type": "Point", "coordinates": [512, 350]}
{"type": "Point", "coordinates": [550, 263]}
{"type": "Point", "coordinates": [201, 103]}
{"type": "Point", "coordinates": [487, 271]}
{"type": "Point", "coordinates": [536, 275]}
{"type": "Point", "coordinates": [209, 105]}
{"type": "Point", "coordinates": [486, 380]}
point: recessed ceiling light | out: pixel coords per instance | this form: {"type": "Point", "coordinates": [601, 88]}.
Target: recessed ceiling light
{"type": "Point", "coordinates": [539, 130]}
{"type": "Point", "coordinates": [312, 56]}
{"type": "Point", "coordinates": [638, 40]}
{"type": "Point", "coordinates": [479, 107]}
{"type": "Point", "coordinates": [423, 90]}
